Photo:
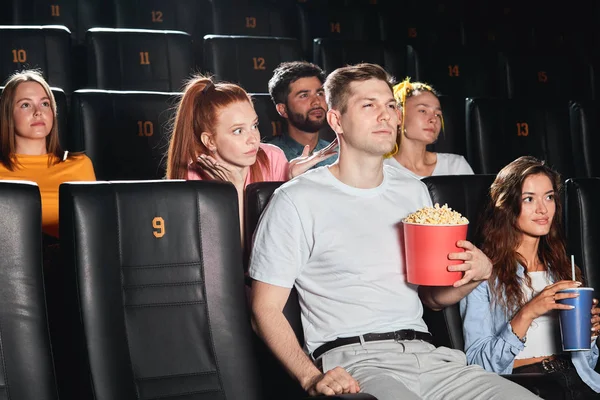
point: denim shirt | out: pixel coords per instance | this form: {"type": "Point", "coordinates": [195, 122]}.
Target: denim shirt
{"type": "Point", "coordinates": [293, 149]}
{"type": "Point", "coordinates": [491, 343]}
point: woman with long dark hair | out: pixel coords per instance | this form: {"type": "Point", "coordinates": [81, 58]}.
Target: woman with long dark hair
{"type": "Point", "coordinates": [511, 320]}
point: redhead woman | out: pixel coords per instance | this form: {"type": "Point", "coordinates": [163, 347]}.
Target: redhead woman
{"type": "Point", "coordinates": [216, 136]}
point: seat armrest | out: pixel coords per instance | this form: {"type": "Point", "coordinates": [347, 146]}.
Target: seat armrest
{"type": "Point", "coordinates": [357, 396]}
{"type": "Point", "coordinates": [540, 384]}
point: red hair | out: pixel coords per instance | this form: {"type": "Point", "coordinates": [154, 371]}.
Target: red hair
{"type": "Point", "coordinates": [197, 112]}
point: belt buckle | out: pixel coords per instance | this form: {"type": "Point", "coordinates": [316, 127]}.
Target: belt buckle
{"type": "Point", "coordinates": [405, 334]}
{"type": "Point", "coordinates": [548, 365]}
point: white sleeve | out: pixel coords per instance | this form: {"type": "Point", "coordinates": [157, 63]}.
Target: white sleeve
{"type": "Point", "coordinates": [463, 167]}
{"type": "Point", "coordinates": [425, 197]}
{"type": "Point", "coordinates": [280, 247]}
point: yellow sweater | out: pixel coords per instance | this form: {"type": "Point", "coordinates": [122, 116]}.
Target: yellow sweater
{"type": "Point", "coordinates": [48, 179]}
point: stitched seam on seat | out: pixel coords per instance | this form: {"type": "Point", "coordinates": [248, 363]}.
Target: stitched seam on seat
{"type": "Point", "coordinates": [190, 264]}
{"type": "Point", "coordinates": [581, 216]}
{"type": "Point", "coordinates": [184, 303]}
{"type": "Point", "coordinates": [120, 49]}
{"type": "Point", "coordinates": [137, 392]}
{"type": "Point", "coordinates": [169, 61]}
{"type": "Point", "coordinates": [158, 285]}
{"type": "Point", "coordinates": [4, 365]}
{"type": "Point", "coordinates": [111, 141]}
{"type": "Point", "coordinates": [170, 396]}
{"type": "Point", "coordinates": [74, 252]}
{"type": "Point", "coordinates": [45, 57]}
{"type": "Point", "coordinates": [212, 343]}
{"type": "Point", "coordinates": [176, 376]}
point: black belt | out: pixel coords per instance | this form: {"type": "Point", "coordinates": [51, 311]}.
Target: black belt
{"type": "Point", "coordinates": [404, 334]}
{"type": "Point", "coordinates": [546, 366]}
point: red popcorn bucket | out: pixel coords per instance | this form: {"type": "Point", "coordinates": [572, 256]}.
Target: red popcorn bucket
{"type": "Point", "coordinates": [427, 248]}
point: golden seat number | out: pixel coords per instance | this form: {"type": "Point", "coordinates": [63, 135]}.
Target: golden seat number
{"type": "Point", "coordinates": [145, 128]}
{"type": "Point", "coordinates": [159, 229]}
{"type": "Point", "coordinates": [522, 129]}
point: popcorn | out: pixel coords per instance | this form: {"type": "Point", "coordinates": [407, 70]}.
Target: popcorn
{"type": "Point", "coordinates": [436, 215]}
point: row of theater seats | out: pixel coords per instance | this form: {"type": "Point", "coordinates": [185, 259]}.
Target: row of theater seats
{"type": "Point", "coordinates": [438, 21]}
{"type": "Point", "coordinates": [151, 290]}
{"type": "Point", "coordinates": [129, 59]}
{"type": "Point", "coordinates": [126, 134]}
{"type": "Point", "coordinates": [148, 302]}
{"type": "Point", "coordinates": [467, 194]}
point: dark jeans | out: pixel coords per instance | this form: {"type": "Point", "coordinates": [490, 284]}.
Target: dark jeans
{"type": "Point", "coordinates": [562, 371]}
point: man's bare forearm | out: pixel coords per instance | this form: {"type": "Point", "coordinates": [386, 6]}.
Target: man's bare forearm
{"type": "Point", "coordinates": [439, 297]}
{"type": "Point", "coordinates": [272, 326]}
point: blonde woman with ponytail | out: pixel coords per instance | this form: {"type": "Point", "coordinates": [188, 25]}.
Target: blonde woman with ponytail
{"type": "Point", "coordinates": [215, 137]}
{"type": "Point", "coordinates": [422, 122]}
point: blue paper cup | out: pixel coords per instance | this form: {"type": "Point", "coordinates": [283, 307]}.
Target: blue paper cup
{"type": "Point", "coordinates": [576, 324]}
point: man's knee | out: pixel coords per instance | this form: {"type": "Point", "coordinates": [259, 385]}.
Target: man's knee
{"type": "Point", "coordinates": [386, 386]}
{"type": "Point", "coordinates": [489, 385]}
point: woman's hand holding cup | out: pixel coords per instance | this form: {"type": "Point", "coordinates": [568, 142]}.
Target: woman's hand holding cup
{"type": "Point", "coordinates": [546, 299]}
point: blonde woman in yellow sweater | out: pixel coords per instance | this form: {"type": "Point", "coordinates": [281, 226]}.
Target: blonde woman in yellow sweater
{"type": "Point", "coordinates": [29, 148]}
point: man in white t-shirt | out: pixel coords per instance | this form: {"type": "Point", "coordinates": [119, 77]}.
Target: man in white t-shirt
{"type": "Point", "coordinates": [334, 233]}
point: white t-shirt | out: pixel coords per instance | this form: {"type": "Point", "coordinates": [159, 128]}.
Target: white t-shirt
{"type": "Point", "coordinates": [543, 335]}
{"type": "Point", "coordinates": [447, 164]}
{"type": "Point", "coordinates": [342, 248]}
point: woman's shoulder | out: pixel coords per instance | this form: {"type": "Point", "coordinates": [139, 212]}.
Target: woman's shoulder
{"type": "Point", "coordinates": [274, 154]}
{"type": "Point", "coordinates": [451, 157]}
{"type": "Point", "coordinates": [453, 164]}
{"type": "Point", "coordinates": [278, 163]}
{"type": "Point", "coordinates": [81, 165]}
{"type": "Point", "coordinates": [78, 158]}
{"type": "Point", "coordinates": [271, 150]}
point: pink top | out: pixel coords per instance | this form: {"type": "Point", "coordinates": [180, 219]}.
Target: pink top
{"type": "Point", "coordinates": [278, 167]}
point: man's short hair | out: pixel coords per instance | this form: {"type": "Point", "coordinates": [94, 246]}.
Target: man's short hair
{"type": "Point", "coordinates": [337, 85]}
{"type": "Point", "coordinates": [289, 72]}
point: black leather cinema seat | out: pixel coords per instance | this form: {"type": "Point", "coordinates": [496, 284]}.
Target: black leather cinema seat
{"type": "Point", "coordinates": [398, 60]}
{"type": "Point", "coordinates": [231, 17]}
{"type": "Point", "coordinates": [77, 15]}
{"type": "Point", "coordinates": [191, 16]}
{"type": "Point", "coordinates": [419, 29]}
{"type": "Point", "coordinates": [179, 15]}
{"type": "Point", "coordinates": [44, 47]}
{"type": "Point", "coordinates": [557, 74]}
{"type": "Point", "coordinates": [138, 59]}
{"type": "Point", "coordinates": [582, 222]}
{"type": "Point", "coordinates": [585, 122]}
{"type": "Point", "coordinates": [461, 71]}
{"type": "Point", "coordinates": [124, 133]}
{"type": "Point", "coordinates": [499, 131]}
{"type": "Point", "coordinates": [270, 123]}
{"type": "Point", "coordinates": [157, 302]}
{"type": "Point", "coordinates": [351, 21]}
{"type": "Point", "coordinates": [248, 60]}
{"type": "Point", "coordinates": [277, 381]}
{"type": "Point", "coordinates": [453, 139]}
{"type": "Point", "coordinates": [469, 194]}
{"type": "Point", "coordinates": [26, 371]}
